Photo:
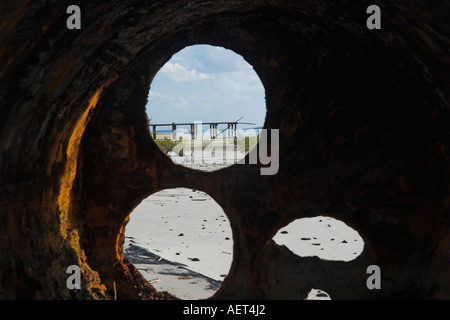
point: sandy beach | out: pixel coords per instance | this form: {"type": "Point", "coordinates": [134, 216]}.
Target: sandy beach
{"type": "Point", "coordinates": [182, 234]}
{"type": "Point", "coordinates": [180, 240]}
{"type": "Point", "coordinates": [210, 155]}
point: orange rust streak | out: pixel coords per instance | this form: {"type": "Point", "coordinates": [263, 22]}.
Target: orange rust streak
{"type": "Point", "coordinates": [70, 169]}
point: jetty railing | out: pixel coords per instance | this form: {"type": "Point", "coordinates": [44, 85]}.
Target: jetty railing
{"type": "Point", "coordinates": [213, 128]}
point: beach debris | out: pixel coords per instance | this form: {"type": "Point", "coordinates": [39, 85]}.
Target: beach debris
{"type": "Point", "coordinates": [345, 241]}
{"type": "Point", "coordinates": [185, 277]}
{"type": "Point", "coordinates": [227, 238]}
{"type": "Point", "coordinates": [283, 232]}
{"type": "Point", "coordinates": [145, 269]}
{"type": "Point", "coordinates": [315, 244]}
{"type": "Point", "coordinates": [154, 280]}
{"type": "Point", "coordinates": [181, 235]}
{"type": "Point", "coordinates": [226, 252]}
{"type": "Point", "coordinates": [305, 239]}
{"type": "Point", "coordinates": [194, 259]}
{"type": "Point", "coordinates": [223, 275]}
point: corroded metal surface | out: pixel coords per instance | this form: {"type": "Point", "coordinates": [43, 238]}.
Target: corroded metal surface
{"type": "Point", "coordinates": [363, 118]}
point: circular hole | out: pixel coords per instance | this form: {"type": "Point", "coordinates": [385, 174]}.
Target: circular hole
{"type": "Point", "coordinates": [180, 240]}
{"type": "Point", "coordinates": [317, 294]}
{"type": "Point", "coordinates": [206, 107]}
{"type": "Point", "coordinates": [324, 237]}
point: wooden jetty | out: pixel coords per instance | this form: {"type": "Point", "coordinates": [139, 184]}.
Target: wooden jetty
{"type": "Point", "coordinates": [213, 128]}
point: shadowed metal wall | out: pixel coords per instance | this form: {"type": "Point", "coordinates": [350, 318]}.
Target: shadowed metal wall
{"type": "Point", "coordinates": [363, 118]}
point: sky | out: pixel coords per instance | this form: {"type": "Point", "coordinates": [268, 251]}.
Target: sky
{"type": "Point", "coordinates": [209, 84]}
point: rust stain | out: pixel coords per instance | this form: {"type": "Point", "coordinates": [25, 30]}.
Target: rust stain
{"type": "Point", "coordinates": [65, 194]}
{"type": "Point", "coordinates": [71, 162]}
{"type": "Point", "coordinates": [120, 240]}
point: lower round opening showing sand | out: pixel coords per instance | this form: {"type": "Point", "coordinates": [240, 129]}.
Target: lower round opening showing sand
{"type": "Point", "coordinates": [324, 237]}
{"type": "Point", "coordinates": [180, 240]}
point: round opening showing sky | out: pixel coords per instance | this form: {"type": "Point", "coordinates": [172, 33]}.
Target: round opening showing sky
{"type": "Point", "coordinates": [206, 103]}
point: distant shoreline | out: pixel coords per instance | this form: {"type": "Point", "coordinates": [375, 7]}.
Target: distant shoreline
{"type": "Point", "coordinates": [160, 134]}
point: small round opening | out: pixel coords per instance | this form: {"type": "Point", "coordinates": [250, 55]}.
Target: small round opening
{"type": "Point", "coordinates": [324, 237]}
{"type": "Point", "coordinates": [180, 240]}
{"type": "Point", "coordinates": [317, 294]}
{"type": "Point", "coordinates": [206, 107]}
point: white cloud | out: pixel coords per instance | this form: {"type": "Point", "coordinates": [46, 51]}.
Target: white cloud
{"type": "Point", "coordinates": [231, 83]}
{"type": "Point", "coordinates": [156, 94]}
{"type": "Point", "coordinates": [178, 73]}
{"type": "Point", "coordinates": [242, 81]}
{"type": "Point", "coordinates": [253, 77]}
{"type": "Point", "coordinates": [179, 92]}
{"type": "Point", "coordinates": [174, 102]}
